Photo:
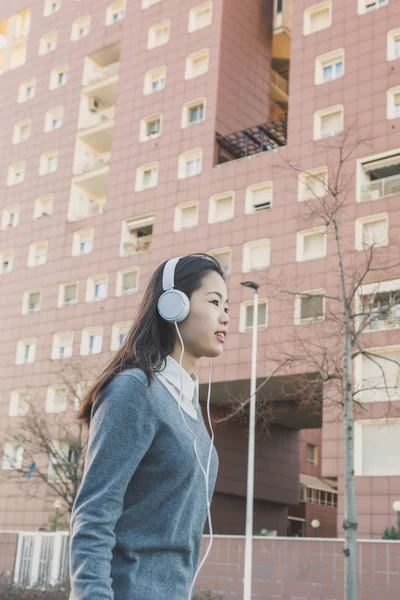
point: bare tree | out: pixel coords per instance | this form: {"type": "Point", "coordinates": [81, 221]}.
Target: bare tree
{"type": "Point", "coordinates": [54, 445]}
{"type": "Point", "coordinates": [319, 361]}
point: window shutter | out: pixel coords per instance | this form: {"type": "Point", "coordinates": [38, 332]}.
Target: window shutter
{"type": "Point", "coordinates": [314, 244]}
{"type": "Point", "coordinates": [331, 123]}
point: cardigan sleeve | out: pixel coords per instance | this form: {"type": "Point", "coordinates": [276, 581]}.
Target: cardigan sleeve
{"type": "Point", "coordinates": [122, 429]}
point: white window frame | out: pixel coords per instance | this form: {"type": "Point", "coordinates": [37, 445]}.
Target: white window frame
{"type": "Point", "coordinates": [194, 13]}
{"type": "Point", "coordinates": [247, 247]}
{"type": "Point", "coordinates": [392, 112]}
{"type": "Point", "coordinates": [149, 3]}
{"type": "Point", "coordinates": [14, 409]}
{"type": "Point", "coordinates": [362, 8]}
{"type": "Point", "coordinates": [301, 235]}
{"type": "Point", "coordinates": [48, 43]}
{"type": "Point", "coordinates": [50, 406]}
{"type": "Point", "coordinates": [6, 256]}
{"type": "Point", "coordinates": [152, 34]}
{"type": "Point", "coordinates": [21, 356]}
{"type": "Point", "coordinates": [185, 158]}
{"type": "Point", "coordinates": [358, 377]}
{"type": "Point", "coordinates": [56, 353]}
{"type": "Point", "coordinates": [13, 170]}
{"type": "Point", "coordinates": [192, 58]}
{"type": "Point", "coordinates": [393, 37]}
{"type": "Point", "coordinates": [40, 206]}
{"type": "Point", "coordinates": [115, 9]}
{"type": "Point", "coordinates": [12, 459]}
{"type": "Point", "coordinates": [379, 287]}
{"type": "Point", "coordinates": [160, 73]}
{"type": "Point", "coordinates": [91, 287]}
{"type": "Point", "coordinates": [249, 202]}
{"type": "Point", "coordinates": [87, 333]}
{"type": "Point", "coordinates": [185, 122]}
{"type": "Point", "coordinates": [54, 77]}
{"type": "Point", "coordinates": [312, 10]}
{"type": "Point", "coordinates": [217, 252]}
{"type": "Point", "coordinates": [23, 96]}
{"type": "Point", "coordinates": [79, 24]}
{"type": "Point", "coordinates": [395, 153]}
{"type": "Point", "coordinates": [47, 160]}
{"type": "Point", "coordinates": [140, 172]}
{"type": "Point", "coordinates": [61, 294]}
{"type": "Point", "coordinates": [303, 188]}
{"type": "Point", "coordinates": [144, 135]}
{"type": "Point", "coordinates": [18, 128]}
{"type": "Point", "coordinates": [243, 310]}
{"type": "Point", "coordinates": [297, 306]}
{"type": "Point", "coordinates": [178, 216]}
{"type": "Point", "coordinates": [116, 333]}
{"type": "Point", "coordinates": [119, 291]}
{"type": "Point", "coordinates": [82, 236]}
{"type": "Point", "coordinates": [358, 463]}
{"type": "Point", "coordinates": [330, 58]}
{"type": "Point", "coordinates": [51, 7]}
{"type": "Point", "coordinates": [212, 206]}
{"type": "Point", "coordinates": [359, 230]}
{"type": "Point", "coordinates": [10, 217]}
{"type": "Point", "coordinates": [33, 256]}
{"type": "Point", "coordinates": [325, 112]}
{"type": "Point", "coordinates": [26, 301]}
{"type": "Point", "coordinates": [55, 114]}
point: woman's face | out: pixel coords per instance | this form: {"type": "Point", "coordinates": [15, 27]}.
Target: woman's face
{"type": "Point", "coordinates": [208, 315]}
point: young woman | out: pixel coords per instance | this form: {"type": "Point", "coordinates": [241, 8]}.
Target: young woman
{"type": "Point", "coordinates": [138, 518]}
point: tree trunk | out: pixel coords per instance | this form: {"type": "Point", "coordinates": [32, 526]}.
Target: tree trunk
{"type": "Point", "coordinates": [350, 508]}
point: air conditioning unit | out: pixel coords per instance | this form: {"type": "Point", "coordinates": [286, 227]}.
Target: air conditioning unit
{"type": "Point", "coordinates": [94, 104]}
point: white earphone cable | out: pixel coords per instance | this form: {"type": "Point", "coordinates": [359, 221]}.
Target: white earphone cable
{"type": "Point", "coordinates": [206, 474]}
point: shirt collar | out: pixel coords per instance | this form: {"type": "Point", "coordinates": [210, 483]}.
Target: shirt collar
{"type": "Point", "coordinates": [190, 383]}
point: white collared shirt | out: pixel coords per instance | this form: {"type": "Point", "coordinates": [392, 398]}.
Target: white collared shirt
{"type": "Point", "coordinates": [171, 379]}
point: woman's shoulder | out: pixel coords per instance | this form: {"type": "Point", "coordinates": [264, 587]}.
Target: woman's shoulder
{"type": "Point", "coordinates": [134, 373]}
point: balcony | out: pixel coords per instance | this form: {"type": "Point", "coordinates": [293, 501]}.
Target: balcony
{"type": "Point", "coordinates": [94, 119]}
{"type": "Point", "coordinates": [102, 73]}
{"type": "Point", "coordinates": [380, 188]}
{"type": "Point", "coordinates": [94, 162]}
{"type": "Point", "coordinates": [260, 138]}
{"type": "Point", "coordinates": [282, 29]}
{"type": "Point", "coordinates": [139, 244]}
{"type": "Point", "coordinates": [280, 84]}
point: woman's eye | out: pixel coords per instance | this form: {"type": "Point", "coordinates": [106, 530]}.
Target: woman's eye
{"type": "Point", "coordinates": [215, 301]}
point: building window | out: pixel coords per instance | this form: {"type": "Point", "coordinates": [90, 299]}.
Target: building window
{"type": "Point", "coordinates": [31, 302]}
{"type": "Point", "coordinates": [365, 6]}
{"type": "Point", "coordinates": [92, 340]}
{"type": "Point", "coordinates": [22, 131]}
{"type": "Point", "coordinates": [190, 163]}
{"type": "Point", "coordinates": [67, 294]}
{"type": "Point", "coordinates": [6, 261]}
{"type": "Point", "coordinates": [51, 7]}
{"type": "Point", "coordinates": [10, 217]}
{"type": "Point", "coordinates": [80, 28]}
{"type": "Point", "coordinates": [56, 399]}
{"type": "Point", "coordinates": [154, 80]}
{"type": "Point", "coordinates": [380, 303]}
{"type": "Point", "coordinates": [16, 173]}
{"type": "Point", "coordinates": [313, 184]}
{"type": "Point", "coordinates": [115, 12]}
{"type": "Point", "coordinates": [26, 351]}
{"type": "Point", "coordinates": [329, 66]}
{"type": "Point", "coordinates": [27, 90]}
{"type": "Point", "coordinates": [146, 177]}
{"type": "Point", "coordinates": [372, 231]}
{"type": "Point", "coordinates": [193, 113]}
{"type": "Point", "coordinates": [150, 127]}
{"type": "Point", "coordinates": [58, 77]}
{"type": "Point", "coordinates": [158, 35]}
{"type": "Point", "coordinates": [197, 64]}
{"type": "Point", "coordinates": [258, 197]}
{"type": "Point", "coordinates": [19, 403]}
{"type": "Point", "coordinates": [256, 255]}
{"type": "Point", "coordinates": [200, 16]}
{"type": "Point", "coordinates": [43, 206]}
{"type": "Point", "coordinates": [48, 43]}
{"type": "Point", "coordinates": [54, 118]}
{"type": "Point", "coordinates": [37, 254]}
{"type": "Point", "coordinates": [377, 448]}
{"type": "Point", "coordinates": [119, 333]}
{"type": "Point", "coordinates": [317, 17]}
{"type": "Point", "coordinates": [96, 288]}
{"type": "Point", "coordinates": [328, 122]}
{"type": "Point", "coordinates": [393, 103]}
{"type": "Point", "coordinates": [62, 345]}
{"type": "Point", "coordinates": [136, 235]}
{"type": "Point", "coordinates": [148, 3]}
{"type": "Point", "coordinates": [311, 244]}
{"type": "Point", "coordinates": [377, 376]}
{"type": "Point", "coordinates": [221, 207]}
{"type": "Point", "coordinates": [186, 216]}
{"type": "Point", "coordinates": [82, 242]}
{"type": "Point", "coordinates": [224, 257]}
{"type": "Point", "coordinates": [309, 306]}
{"type": "Point", "coordinates": [61, 457]}
{"type": "Point", "coordinates": [127, 282]}
{"type": "Point", "coordinates": [393, 44]}
{"type": "Point", "coordinates": [48, 162]}
{"type": "Point", "coordinates": [312, 454]}
{"type": "Point", "coordinates": [378, 176]}
{"type": "Point", "coordinates": [12, 456]}
{"type": "Point", "coordinates": [247, 312]}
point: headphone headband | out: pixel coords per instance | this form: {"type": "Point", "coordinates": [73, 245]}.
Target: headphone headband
{"type": "Point", "coordinates": [169, 273]}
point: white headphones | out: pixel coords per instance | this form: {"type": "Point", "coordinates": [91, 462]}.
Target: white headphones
{"type": "Point", "coordinates": [173, 305]}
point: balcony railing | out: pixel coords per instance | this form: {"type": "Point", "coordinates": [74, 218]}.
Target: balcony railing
{"type": "Point", "coordinates": [93, 119]}
{"type": "Point", "coordinates": [385, 319]}
{"type": "Point", "coordinates": [260, 138]}
{"type": "Point", "coordinates": [103, 73]}
{"type": "Point", "coordinates": [96, 162]}
{"type": "Point", "coordinates": [279, 81]}
{"type": "Point", "coordinates": [381, 188]}
{"type": "Point", "coordinates": [140, 244]}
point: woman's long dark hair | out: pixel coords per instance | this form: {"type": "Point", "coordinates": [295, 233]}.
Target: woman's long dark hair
{"type": "Point", "coordinates": [151, 339]}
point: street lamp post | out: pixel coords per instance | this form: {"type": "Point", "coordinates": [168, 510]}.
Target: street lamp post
{"type": "Point", "coordinates": [248, 550]}
{"type": "Point", "coordinates": [396, 508]}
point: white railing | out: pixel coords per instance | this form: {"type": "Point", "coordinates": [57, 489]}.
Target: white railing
{"type": "Point", "coordinates": [381, 188]}
{"type": "Point", "coordinates": [384, 319]}
{"type": "Point", "coordinates": [97, 118]}
{"type": "Point", "coordinates": [95, 162]}
{"type": "Point", "coordinates": [279, 81]}
{"type": "Point", "coordinates": [42, 558]}
{"type": "Point", "coordinates": [103, 73]}
{"type": "Point", "coordinates": [140, 244]}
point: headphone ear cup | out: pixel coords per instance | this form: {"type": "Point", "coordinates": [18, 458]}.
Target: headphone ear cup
{"type": "Point", "coordinates": [173, 305]}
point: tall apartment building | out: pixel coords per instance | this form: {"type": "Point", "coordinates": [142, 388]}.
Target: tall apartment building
{"type": "Point", "coordinates": [133, 131]}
